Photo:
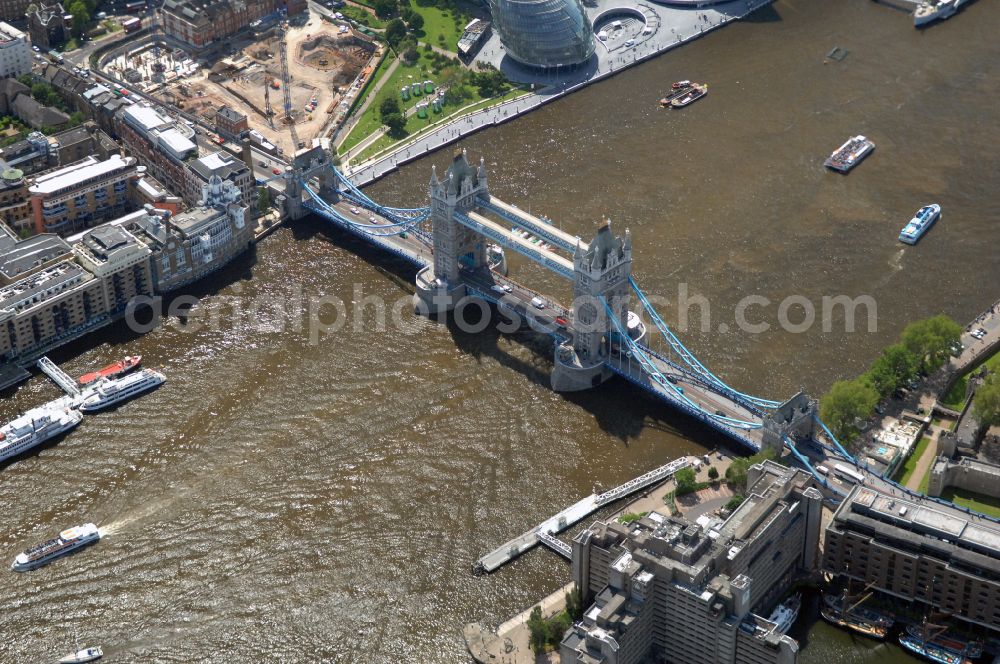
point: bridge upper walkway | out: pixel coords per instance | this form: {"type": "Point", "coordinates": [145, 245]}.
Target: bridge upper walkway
{"type": "Point", "coordinates": [532, 224]}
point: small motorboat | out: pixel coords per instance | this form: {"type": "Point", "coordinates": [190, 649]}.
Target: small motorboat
{"type": "Point", "coordinates": [679, 85]}
{"type": "Point", "coordinates": [85, 655]}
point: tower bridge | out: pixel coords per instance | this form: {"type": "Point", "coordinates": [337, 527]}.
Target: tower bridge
{"type": "Point", "coordinates": [457, 244]}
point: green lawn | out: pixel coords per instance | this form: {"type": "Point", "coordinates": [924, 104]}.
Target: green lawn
{"type": "Point", "coordinates": [974, 501]}
{"type": "Point", "coordinates": [415, 125]}
{"type": "Point", "coordinates": [362, 16]}
{"type": "Point", "coordinates": [441, 22]}
{"type": "Point", "coordinates": [955, 398]}
{"type": "Point", "coordinates": [370, 121]}
{"type": "Point", "coordinates": [911, 462]}
{"type": "Point", "coordinates": [925, 481]}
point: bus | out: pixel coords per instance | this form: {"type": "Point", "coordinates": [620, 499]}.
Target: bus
{"type": "Point", "coordinates": [848, 474]}
{"type": "Point", "coordinates": [135, 6]}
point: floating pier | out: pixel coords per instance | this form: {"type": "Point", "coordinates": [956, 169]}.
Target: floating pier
{"type": "Point", "coordinates": [545, 532]}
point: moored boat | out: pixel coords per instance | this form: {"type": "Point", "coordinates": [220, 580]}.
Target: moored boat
{"type": "Point", "coordinates": [864, 628]}
{"type": "Point", "coordinates": [786, 613]}
{"type": "Point", "coordinates": [949, 641]}
{"type": "Point", "coordinates": [68, 540]}
{"type": "Point", "coordinates": [920, 224]}
{"type": "Point", "coordinates": [679, 85]}
{"type": "Point", "coordinates": [691, 95]}
{"type": "Point", "coordinates": [933, 10]}
{"type": "Point", "coordinates": [35, 427]}
{"type": "Point", "coordinates": [107, 393]}
{"type": "Point", "coordinates": [113, 370]}
{"type": "Point", "coordinates": [932, 652]}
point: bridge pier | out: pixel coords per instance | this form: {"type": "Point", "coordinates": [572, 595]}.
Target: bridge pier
{"type": "Point", "coordinates": [571, 373]}
{"type": "Point", "coordinates": [433, 295]}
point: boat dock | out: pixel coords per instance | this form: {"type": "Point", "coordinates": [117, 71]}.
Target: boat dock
{"type": "Point", "coordinates": [59, 377]}
{"type": "Point", "coordinates": [545, 532]}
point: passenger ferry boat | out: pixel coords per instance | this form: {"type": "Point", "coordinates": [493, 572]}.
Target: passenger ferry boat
{"type": "Point", "coordinates": [920, 224]}
{"type": "Point", "coordinates": [850, 154]}
{"type": "Point", "coordinates": [931, 651]}
{"type": "Point", "coordinates": [107, 393]}
{"type": "Point", "coordinates": [114, 370]}
{"type": "Point", "coordinates": [69, 540]}
{"type": "Point", "coordinates": [932, 10]}
{"type": "Point", "coordinates": [949, 641]}
{"type": "Point", "coordinates": [691, 95]}
{"type": "Point", "coordinates": [786, 613]}
{"type": "Point", "coordinates": [35, 427]}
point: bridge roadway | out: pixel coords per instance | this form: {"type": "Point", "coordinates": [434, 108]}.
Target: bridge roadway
{"type": "Point", "coordinates": [517, 299]}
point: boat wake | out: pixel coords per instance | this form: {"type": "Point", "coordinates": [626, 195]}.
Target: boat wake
{"type": "Point", "coordinates": [140, 514]}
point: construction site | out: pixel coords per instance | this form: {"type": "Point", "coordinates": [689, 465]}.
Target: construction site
{"type": "Point", "coordinates": [325, 66]}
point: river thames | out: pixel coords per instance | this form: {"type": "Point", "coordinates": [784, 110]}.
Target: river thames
{"type": "Point", "coordinates": [283, 498]}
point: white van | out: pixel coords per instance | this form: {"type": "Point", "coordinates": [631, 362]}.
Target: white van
{"type": "Point", "coordinates": [538, 302]}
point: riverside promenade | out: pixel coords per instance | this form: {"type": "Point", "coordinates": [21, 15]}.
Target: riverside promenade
{"type": "Point", "coordinates": [670, 27]}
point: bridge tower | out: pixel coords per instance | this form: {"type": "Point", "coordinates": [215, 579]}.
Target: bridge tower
{"type": "Point", "coordinates": [601, 274]}
{"type": "Point", "coordinates": [796, 419]}
{"type": "Point", "coordinates": [455, 246]}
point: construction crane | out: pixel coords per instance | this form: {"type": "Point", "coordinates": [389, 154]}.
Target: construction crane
{"type": "Point", "coordinates": [268, 111]}
{"type": "Point", "coordinates": [286, 81]}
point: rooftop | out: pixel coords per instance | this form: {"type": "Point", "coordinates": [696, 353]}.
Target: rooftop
{"type": "Point", "coordinates": [176, 141]}
{"type": "Point", "coordinates": [146, 117]}
{"type": "Point", "coordinates": [231, 114]}
{"type": "Point", "coordinates": [9, 33]}
{"type": "Point", "coordinates": [20, 256]}
{"type": "Point", "coordinates": [75, 174]}
{"type": "Point", "coordinates": [915, 519]}
{"type": "Point", "coordinates": [42, 285]}
{"type": "Point", "coordinates": [222, 164]}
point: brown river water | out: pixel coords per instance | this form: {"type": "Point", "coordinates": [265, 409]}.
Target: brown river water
{"type": "Point", "coordinates": [283, 498]}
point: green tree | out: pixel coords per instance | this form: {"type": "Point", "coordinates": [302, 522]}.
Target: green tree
{"type": "Point", "coordinates": [539, 630]}
{"type": "Point", "coordinates": [986, 403]}
{"type": "Point", "coordinates": [396, 124]}
{"type": "Point", "coordinates": [416, 22]}
{"type": "Point", "coordinates": [844, 403]}
{"type": "Point", "coordinates": [713, 474]}
{"type": "Point", "coordinates": [385, 8]}
{"type": "Point", "coordinates": [734, 502]}
{"type": "Point", "coordinates": [263, 199]}
{"type": "Point", "coordinates": [736, 474]}
{"type": "Point", "coordinates": [896, 366]}
{"type": "Point", "coordinates": [558, 624]}
{"type": "Point", "coordinates": [395, 32]}
{"type": "Point", "coordinates": [389, 106]}
{"type": "Point", "coordinates": [931, 340]}
{"type": "Point", "coordinates": [686, 481]}
{"type": "Point", "coordinates": [81, 17]}
{"type": "Point", "coordinates": [574, 603]}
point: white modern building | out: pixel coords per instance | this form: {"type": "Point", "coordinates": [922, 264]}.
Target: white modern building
{"type": "Point", "coordinates": [15, 52]}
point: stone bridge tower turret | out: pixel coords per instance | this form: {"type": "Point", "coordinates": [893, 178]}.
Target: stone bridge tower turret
{"type": "Point", "coordinates": [455, 246]}
{"type": "Point", "coordinates": [601, 274]}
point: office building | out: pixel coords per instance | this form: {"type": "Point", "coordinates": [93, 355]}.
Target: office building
{"type": "Point", "coordinates": [200, 22]}
{"type": "Point", "coordinates": [665, 589]}
{"type": "Point", "coordinates": [75, 197]}
{"type": "Point", "coordinates": [51, 293]}
{"type": "Point", "coordinates": [158, 141]}
{"type": "Point", "coordinates": [193, 244]}
{"type": "Point", "coordinates": [919, 550]}
{"type": "Point", "coordinates": [227, 167]}
{"type": "Point", "coordinates": [545, 34]}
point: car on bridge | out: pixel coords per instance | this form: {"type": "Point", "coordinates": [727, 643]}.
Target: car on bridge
{"type": "Point", "coordinates": [538, 302]}
{"type": "Point", "coordinates": [561, 321]}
